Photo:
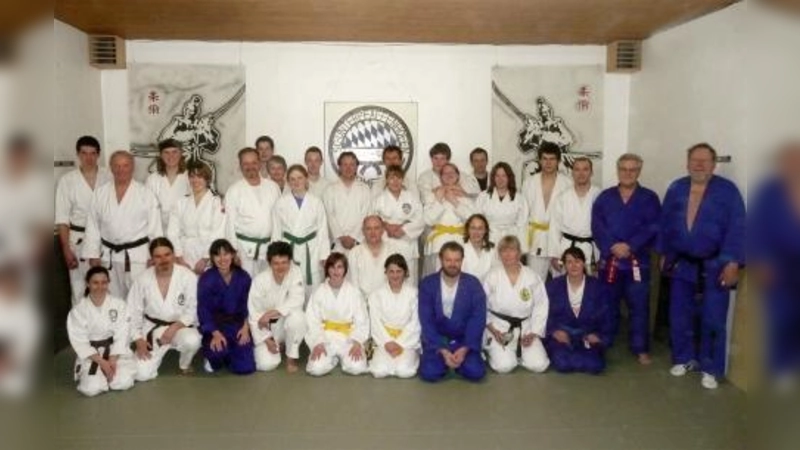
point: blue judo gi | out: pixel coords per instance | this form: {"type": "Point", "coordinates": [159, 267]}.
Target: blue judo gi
{"type": "Point", "coordinates": [774, 242]}
{"type": "Point", "coordinates": [695, 259]}
{"type": "Point", "coordinates": [223, 307]}
{"type": "Point", "coordinates": [465, 327]}
{"type": "Point", "coordinates": [636, 224]}
{"type": "Point", "coordinates": [593, 317]}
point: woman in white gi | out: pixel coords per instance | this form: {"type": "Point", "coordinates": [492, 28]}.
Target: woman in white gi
{"type": "Point", "coordinates": [446, 213]}
{"type": "Point", "coordinates": [169, 182]}
{"type": "Point", "coordinates": [503, 205]}
{"type": "Point", "coordinates": [299, 219]}
{"type": "Point", "coordinates": [394, 323]}
{"type": "Point", "coordinates": [480, 254]}
{"type": "Point", "coordinates": [338, 324]}
{"type": "Point", "coordinates": [98, 331]}
{"type": "Point", "coordinates": [401, 212]}
{"type": "Point", "coordinates": [517, 307]}
{"type": "Point", "coordinates": [163, 311]}
{"type": "Point", "coordinates": [197, 220]}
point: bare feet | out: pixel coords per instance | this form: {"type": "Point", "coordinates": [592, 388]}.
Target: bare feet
{"type": "Point", "coordinates": [291, 365]}
{"type": "Point", "coordinates": [185, 372]}
{"type": "Point", "coordinates": [644, 359]}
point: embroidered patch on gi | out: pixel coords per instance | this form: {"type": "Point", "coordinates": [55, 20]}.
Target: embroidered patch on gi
{"type": "Point", "coordinates": [406, 208]}
{"type": "Point", "coordinates": [181, 300]}
{"type": "Point", "coordinates": [113, 314]}
{"type": "Point", "coordinates": [525, 295]}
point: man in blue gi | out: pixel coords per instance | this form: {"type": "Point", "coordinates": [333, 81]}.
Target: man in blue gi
{"type": "Point", "coordinates": [624, 227]}
{"type": "Point", "coordinates": [702, 241]}
{"type": "Point", "coordinates": [774, 252]}
{"type": "Point", "coordinates": [452, 312]}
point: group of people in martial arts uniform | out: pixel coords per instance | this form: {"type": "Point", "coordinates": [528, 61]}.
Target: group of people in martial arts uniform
{"type": "Point", "coordinates": [531, 276]}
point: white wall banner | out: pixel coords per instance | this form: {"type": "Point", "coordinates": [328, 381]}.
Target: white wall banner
{"type": "Point", "coordinates": [365, 129]}
{"type": "Point", "coordinates": [559, 104]}
{"type": "Point", "coordinates": [202, 106]}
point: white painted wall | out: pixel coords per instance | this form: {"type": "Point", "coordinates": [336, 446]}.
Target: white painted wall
{"type": "Point", "coordinates": [288, 84]}
{"type": "Point", "coordinates": [78, 101]}
{"type": "Point", "coordinates": [693, 88]}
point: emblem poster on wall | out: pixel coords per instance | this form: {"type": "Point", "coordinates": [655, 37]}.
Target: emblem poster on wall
{"type": "Point", "coordinates": [201, 106]}
{"type": "Point", "coordinates": [365, 129]}
{"type": "Point", "coordinates": [558, 104]}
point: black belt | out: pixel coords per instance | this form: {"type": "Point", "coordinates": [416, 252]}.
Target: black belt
{"type": "Point", "coordinates": [514, 323]}
{"type": "Point", "coordinates": [105, 344]}
{"type": "Point", "coordinates": [158, 323]}
{"type": "Point", "coordinates": [575, 240]}
{"type": "Point", "coordinates": [700, 268]}
{"type": "Point", "coordinates": [116, 248]}
{"type": "Point", "coordinates": [74, 227]}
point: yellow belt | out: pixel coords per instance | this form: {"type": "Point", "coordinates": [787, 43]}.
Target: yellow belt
{"type": "Point", "coordinates": [393, 332]}
{"type": "Point", "coordinates": [440, 230]}
{"type": "Point", "coordinates": [339, 327]}
{"type": "Point", "coordinates": [533, 227]}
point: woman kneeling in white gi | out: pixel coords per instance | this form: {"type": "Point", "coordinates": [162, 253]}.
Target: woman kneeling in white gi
{"type": "Point", "coordinates": [98, 331]}
{"type": "Point", "coordinates": [394, 323]}
{"type": "Point", "coordinates": [338, 324]}
{"type": "Point", "coordinates": [516, 314]}
{"type": "Point", "coordinates": [163, 310]}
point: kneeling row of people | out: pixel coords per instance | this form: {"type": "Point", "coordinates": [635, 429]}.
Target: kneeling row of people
{"type": "Point", "coordinates": [244, 324]}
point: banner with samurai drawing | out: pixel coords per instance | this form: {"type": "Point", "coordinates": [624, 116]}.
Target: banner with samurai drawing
{"type": "Point", "coordinates": [202, 106]}
{"type": "Point", "coordinates": [558, 104]}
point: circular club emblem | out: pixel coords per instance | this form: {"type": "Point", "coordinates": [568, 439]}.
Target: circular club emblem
{"type": "Point", "coordinates": [113, 314]}
{"type": "Point", "coordinates": [365, 131]}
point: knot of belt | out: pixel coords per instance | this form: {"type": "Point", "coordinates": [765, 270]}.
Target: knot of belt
{"type": "Point", "coordinates": [339, 327]}
{"type": "Point", "coordinates": [514, 323]}
{"type": "Point", "coordinates": [304, 240]}
{"type": "Point", "coordinates": [116, 248]}
{"type": "Point", "coordinates": [104, 344]}
{"type": "Point", "coordinates": [253, 240]}
{"type": "Point", "coordinates": [441, 230]}
{"type": "Point", "coordinates": [533, 228]}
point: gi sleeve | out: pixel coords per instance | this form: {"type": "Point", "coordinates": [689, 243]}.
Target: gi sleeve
{"type": "Point", "coordinates": [77, 330]}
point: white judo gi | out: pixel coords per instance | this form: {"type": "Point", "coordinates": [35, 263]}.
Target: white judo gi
{"type": "Point", "coordinates": [306, 228]}
{"type": "Point", "coordinates": [287, 298]}
{"type": "Point", "coordinates": [506, 217]}
{"type": "Point", "coordinates": [249, 221]}
{"type": "Point", "coordinates": [346, 208]}
{"type": "Point", "coordinates": [337, 320]}
{"type": "Point", "coordinates": [366, 270]}
{"type": "Point", "coordinates": [405, 210]}
{"type": "Point", "coordinates": [539, 220]}
{"type": "Point", "coordinates": [319, 187]}
{"type": "Point", "coordinates": [168, 195]}
{"type": "Point", "coordinates": [118, 232]}
{"type": "Point", "coordinates": [394, 318]}
{"type": "Point", "coordinates": [194, 226]}
{"type": "Point", "coordinates": [73, 200]}
{"type": "Point", "coordinates": [570, 218]}
{"type": "Point", "coordinates": [429, 180]}
{"type": "Point", "coordinates": [105, 331]}
{"type": "Point", "coordinates": [526, 300]}
{"type": "Point", "coordinates": [447, 225]}
{"type": "Point", "coordinates": [151, 314]}
{"type": "Point", "coordinates": [478, 262]}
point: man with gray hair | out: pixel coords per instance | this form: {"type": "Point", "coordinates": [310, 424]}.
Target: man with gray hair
{"type": "Point", "coordinates": [123, 218]}
{"type": "Point", "coordinates": [624, 226]}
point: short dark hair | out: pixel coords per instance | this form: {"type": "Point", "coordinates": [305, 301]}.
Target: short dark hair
{"type": "Point", "coordinates": [266, 139]}
{"type": "Point", "coordinates": [398, 260]}
{"type": "Point", "coordinates": [333, 258]}
{"type": "Point", "coordinates": [702, 145]}
{"type": "Point", "coordinates": [549, 148]}
{"type": "Point", "coordinates": [277, 159]}
{"type": "Point", "coordinates": [391, 149]}
{"type": "Point", "coordinates": [200, 169]}
{"type": "Point", "coordinates": [92, 272]}
{"type": "Point", "coordinates": [245, 151]}
{"type": "Point", "coordinates": [279, 248]}
{"type": "Point", "coordinates": [344, 155]}
{"type": "Point", "coordinates": [313, 149]}
{"type": "Point", "coordinates": [451, 246]}
{"type": "Point", "coordinates": [160, 242]}
{"type": "Point", "coordinates": [478, 151]}
{"type": "Point", "coordinates": [583, 159]}
{"type": "Point", "coordinates": [440, 148]}
{"type": "Point", "coordinates": [217, 247]}
{"type": "Point", "coordinates": [395, 170]}
{"type": "Point", "coordinates": [575, 252]}
{"type": "Point", "coordinates": [161, 168]}
{"type": "Point", "coordinates": [87, 141]}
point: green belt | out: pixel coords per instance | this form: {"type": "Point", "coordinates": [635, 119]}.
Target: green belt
{"type": "Point", "coordinates": [294, 240]}
{"type": "Point", "coordinates": [258, 241]}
